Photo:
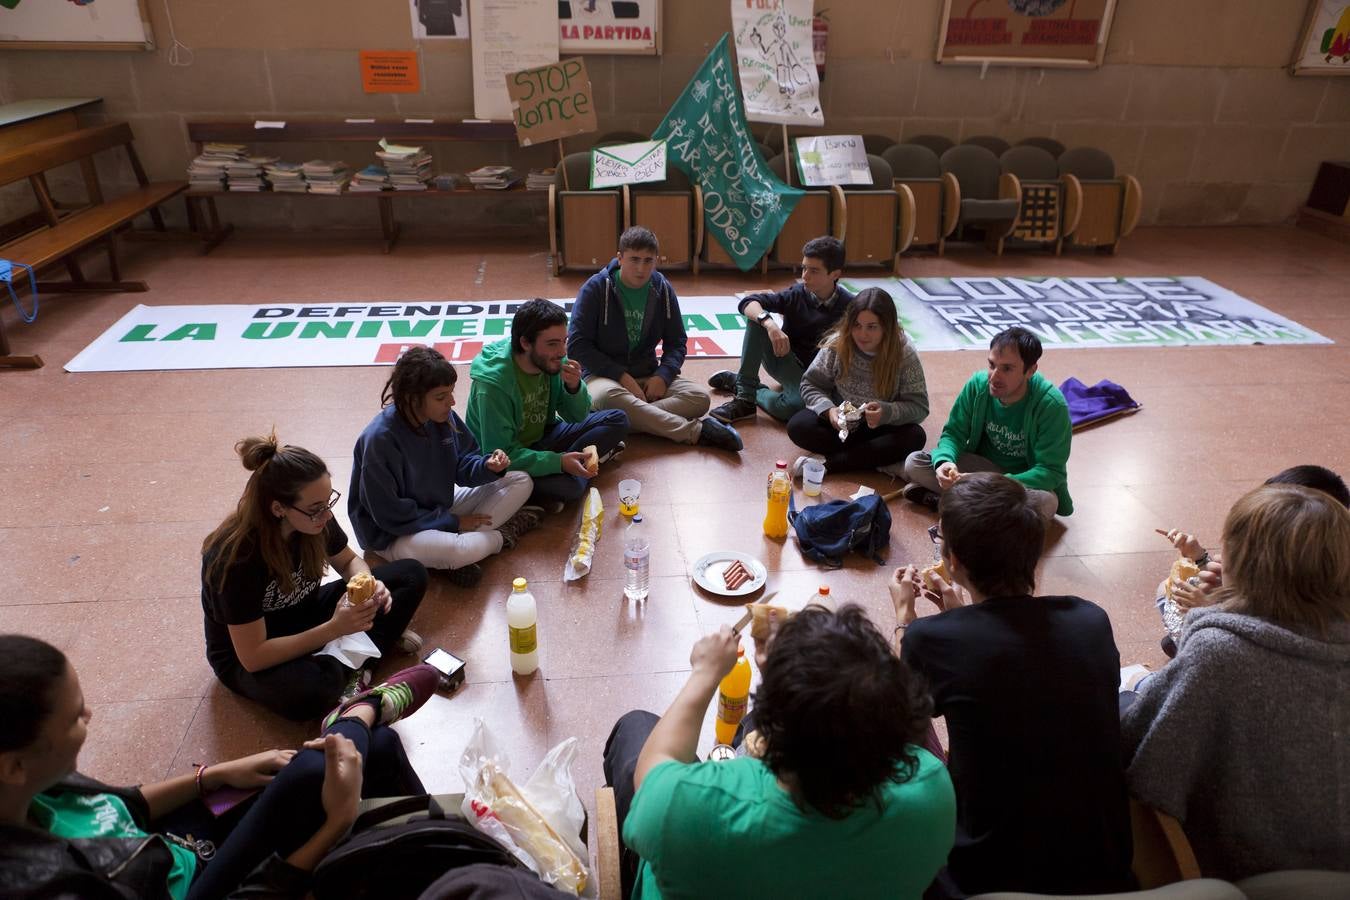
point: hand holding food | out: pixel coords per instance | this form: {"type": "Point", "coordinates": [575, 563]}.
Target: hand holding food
{"type": "Point", "coordinates": [360, 588]}
{"type": "Point", "coordinates": [592, 459]}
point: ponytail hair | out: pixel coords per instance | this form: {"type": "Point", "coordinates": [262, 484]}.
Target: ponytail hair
{"type": "Point", "coordinates": [30, 669]}
{"type": "Point", "coordinates": [280, 473]}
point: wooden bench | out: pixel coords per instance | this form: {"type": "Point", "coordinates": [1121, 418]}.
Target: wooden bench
{"type": "Point", "coordinates": [202, 203]}
{"type": "Point", "coordinates": [67, 231]}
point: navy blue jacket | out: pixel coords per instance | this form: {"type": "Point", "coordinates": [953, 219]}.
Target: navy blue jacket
{"type": "Point", "coordinates": [805, 318]}
{"type": "Point", "coordinates": [598, 338]}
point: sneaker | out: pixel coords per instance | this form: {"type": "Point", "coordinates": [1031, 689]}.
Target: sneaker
{"type": "Point", "coordinates": [800, 462]}
{"type": "Point", "coordinates": [735, 410]}
{"type": "Point", "coordinates": [917, 493]}
{"type": "Point", "coordinates": [723, 437]}
{"type": "Point", "coordinates": [409, 642]}
{"type": "Point", "coordinates": [399, 697]}
{"type": "Point", "coordinates": [526, 519]}
{"type": "Point", "coordinates": [723, 381]}
{"type": "Point", "coordinates": [465, 576]}
{"type": "Point", "coordinates": [607, 457]}
{"type": "Point", "coordinates": [359, 682]}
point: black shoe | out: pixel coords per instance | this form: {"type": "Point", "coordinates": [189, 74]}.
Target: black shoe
{"type": "Point", "coordinates": [1169, 646]}
{"type": "Point", "coordinates": [734, 410]}
{"type": "Point", "coordinates": [723, 437]}
{"type": "Point", "coordinates": [723, 381]}
{"type": "Point", "coordinates": [465, 576]}
{"type": "Point", "coordinates": [917, 493]}
{"type": "Point", "coordinates": [613, 454]}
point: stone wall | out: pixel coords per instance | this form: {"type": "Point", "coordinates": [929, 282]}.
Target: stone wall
{"type": "Point", "coordinates": [1194, 98]}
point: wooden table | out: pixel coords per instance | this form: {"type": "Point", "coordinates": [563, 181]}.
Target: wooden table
{"type": "Point", "coordinates": [27, 121]}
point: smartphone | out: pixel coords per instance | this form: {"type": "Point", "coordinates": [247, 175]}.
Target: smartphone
{"type": "Point", "coordinates": [450, 666]}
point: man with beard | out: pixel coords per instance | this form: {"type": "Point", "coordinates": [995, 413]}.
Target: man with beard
{"type": "Point", "coordinates": [529, 400]}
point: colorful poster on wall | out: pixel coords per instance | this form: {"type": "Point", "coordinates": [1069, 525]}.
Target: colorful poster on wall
{"type": "Point", "coordinates": [389, 72]}
{"type": "Point", "coordinates": [1324, 46]}
{"type": "Point", "coordinates": [551, 102]}
{"type": "Point", "coordinates": [508, 36]}
{"type": "Point", "coordinates": [1069, 33]}
{"type": "Point", "coordinates": [775, 51]}
{"type": "Point", "coordinates": [439, 19]}
{"type": "Point", "coordinates": [744, 204]}
{"type": "Point", "coordinates": [609, 26]}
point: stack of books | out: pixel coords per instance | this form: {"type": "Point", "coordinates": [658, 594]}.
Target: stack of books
{"type": "Point", "coordinates": [371, 178]}
{"type": "Point", "coordinates": [325, 176]}
{"type": "Point", "coordinates": [207, 171]}
{"type": "Point", "coordinates": [247, 174]}
{"type": "Point", "coordinates": [494, 178]}
{"type": "Point", "coordinates": [539, 179]}
{"type": "Point", "coordinates": [409, 168]}
{"type": "Point", "coordinates": [286, 177]}
{"type": "Point", "coordinates": [450, 181]}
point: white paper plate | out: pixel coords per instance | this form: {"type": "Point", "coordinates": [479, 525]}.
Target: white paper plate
{"type": "Point", "coordinates": [708, 573]}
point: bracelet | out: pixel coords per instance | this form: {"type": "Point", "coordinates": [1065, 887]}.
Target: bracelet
{"type": "Point", "coordinates": [900, 627]}
{"type": "Point", "coordinates": [1202, 560]}
{"type": "Point", "coordinates": [201, 769]}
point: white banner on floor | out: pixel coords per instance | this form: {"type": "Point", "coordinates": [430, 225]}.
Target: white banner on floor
{"type": "Point", "coordinates": [1105, 311]}
{"type": "Point", "coordinates": [313, 333]}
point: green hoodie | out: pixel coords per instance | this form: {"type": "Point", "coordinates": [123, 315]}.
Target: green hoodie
{"type": "Point", "coordinates": [1049, 434]}
{"type": "Point", "coordinates": [495, 409]}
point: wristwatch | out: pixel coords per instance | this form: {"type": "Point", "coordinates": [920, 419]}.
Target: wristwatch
{"type": "Point", "coordinates": [763, 317]}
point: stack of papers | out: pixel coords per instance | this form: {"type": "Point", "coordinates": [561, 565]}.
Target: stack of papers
{"type": "Point", "coordinates": [325, 176]}
{"type": "Point", "coordinates": [539, 179]}
{"type": "Point", "coordinates": [207, 171]}
{"type": "Point", "coordinates": [286, 177]}
{"type": "Point", "coordinates": [409, 168]}
{"type": "Point", "coordinates": [371, 178]}
{"type": "Point", "coordinates": [247, 174]}
{"type": "Point", "coordinates": [494, 178]}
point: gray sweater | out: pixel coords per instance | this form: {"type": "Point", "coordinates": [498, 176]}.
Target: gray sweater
{"type": "Point", "coordinates": [824, 385]}
{"type": "Point", "coordinates": [1245, 738]}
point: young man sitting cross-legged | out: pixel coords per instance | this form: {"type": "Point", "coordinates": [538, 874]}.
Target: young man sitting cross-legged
{"type": "Point", "coordinates": [810, 308]}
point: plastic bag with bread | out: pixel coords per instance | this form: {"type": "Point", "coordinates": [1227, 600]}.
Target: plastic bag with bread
{"type": "Point", "coordinates": [578, 563]}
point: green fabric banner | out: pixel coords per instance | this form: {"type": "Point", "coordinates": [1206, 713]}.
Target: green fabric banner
{"type": "Point", "coordinates": [707, 138]}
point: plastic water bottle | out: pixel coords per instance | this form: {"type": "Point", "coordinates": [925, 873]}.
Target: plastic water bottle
{"type": "Point", "coordinates": [776, 510]}
{"type": "Point", "coordinates": [733, 696]}
{"type": "Point", "coordinates": [521, 620]}
{"type": "Point", "coordinates": [637, 561]}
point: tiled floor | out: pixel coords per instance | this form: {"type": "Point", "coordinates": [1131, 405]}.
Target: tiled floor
{"type": "Point", "coordinates": [112, 480]}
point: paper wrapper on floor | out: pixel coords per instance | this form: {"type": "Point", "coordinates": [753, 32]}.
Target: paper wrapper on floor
{"type": "Point", "coordinates": [578, 563]}
{"type": "Point", "coordinates": [540, 823]}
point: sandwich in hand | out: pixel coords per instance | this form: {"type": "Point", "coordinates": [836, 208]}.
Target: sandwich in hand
{"type": "Point", "coordinates": [1183, 569]}
{"type": "Point", "coordinates": [592, 459]}
{"type": "Point", "coordinates": [931, 572]}
{"type": "Point", "coordinates": [360, 588]}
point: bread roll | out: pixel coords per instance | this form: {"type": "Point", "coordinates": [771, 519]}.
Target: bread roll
{"type": "Point", "coordinates": [1182, 570]}
{"type": "Point", "coordinates": [939, 570]}
{"type": "Point", "coordinates": [592, 459]}
{"type": "Point", "coordinates": [360, 588]}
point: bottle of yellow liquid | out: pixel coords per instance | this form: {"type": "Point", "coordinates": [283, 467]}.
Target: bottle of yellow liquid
{"type": "Point", "coordinates": [776, 513]}
{"type": "Point", "coordinates": [733, 696]}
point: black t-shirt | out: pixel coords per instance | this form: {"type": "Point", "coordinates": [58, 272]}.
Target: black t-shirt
{"type": "Point", "coordinates": [251, 593]}
{"type": "Point", "coordinates": [1028, 686]}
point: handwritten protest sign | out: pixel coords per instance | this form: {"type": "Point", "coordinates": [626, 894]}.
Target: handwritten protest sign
{"type": "Point", "coordinates": [776, 54]}
{"type": "Point", "coordinates": [628, 164]}
{"type": "Point", "coordinates": [551, 101]}
{"type": "Point", "coordinates": [833, 159]}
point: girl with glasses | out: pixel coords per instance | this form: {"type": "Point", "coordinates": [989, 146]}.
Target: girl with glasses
{"type": "Point", "coordinates": [265, 609]}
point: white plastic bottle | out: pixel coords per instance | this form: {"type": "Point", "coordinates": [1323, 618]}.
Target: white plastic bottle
{"type": "Point", "coordinates": [822, 598]}
{"type": "Point", "coordinates": [637, 561]}
{"type": "Point", "coordinates": [521, 618]}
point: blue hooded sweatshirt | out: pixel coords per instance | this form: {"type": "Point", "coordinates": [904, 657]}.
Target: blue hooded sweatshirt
{"type": "Point", "coordinates": [597, 336]}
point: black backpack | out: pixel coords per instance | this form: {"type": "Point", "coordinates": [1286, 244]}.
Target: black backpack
{"type": "Point", "coordinates": [826, 532]}
{"type": "Point", "coordinates": [399, 861]}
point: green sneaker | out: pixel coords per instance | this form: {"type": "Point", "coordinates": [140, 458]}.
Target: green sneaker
{"type": "Point", "coordinates": [401, 696]}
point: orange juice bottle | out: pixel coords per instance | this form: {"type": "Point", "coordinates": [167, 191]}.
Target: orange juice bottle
{"type": "Point", "coordinates": [733, 696]}
{"type": "Point", "coordinates": [776, 514]}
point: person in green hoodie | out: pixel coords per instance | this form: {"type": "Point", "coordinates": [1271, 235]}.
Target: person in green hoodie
{"type": "Point", "coordinates": [1008, 419]}
{"type": "Point", "coordinates": [529, 400]}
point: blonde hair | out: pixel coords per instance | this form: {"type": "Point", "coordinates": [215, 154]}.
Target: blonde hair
{"type": "Point", "coordinates": [1287, 557]}
{"type": "Point", "coordinates": [886, 363]}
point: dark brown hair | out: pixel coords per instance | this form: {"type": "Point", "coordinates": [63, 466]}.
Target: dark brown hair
{"type": "Point", "coordinates": [990, 525]}
{"type": "Point", "coordinates": [418, 371]}
{"type": "Point", "coordinates": [30, 670]}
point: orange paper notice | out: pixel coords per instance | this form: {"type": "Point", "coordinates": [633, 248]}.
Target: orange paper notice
{"type": "Point", "coordinates": [389, 72]}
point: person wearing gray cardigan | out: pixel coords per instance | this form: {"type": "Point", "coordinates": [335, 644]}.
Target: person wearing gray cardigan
{"type": "Point", "coordinates": [1245, 736]}
{"type": "Point", "coordinates": [870, 363]}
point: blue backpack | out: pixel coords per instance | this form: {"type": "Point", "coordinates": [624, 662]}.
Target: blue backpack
{"type": "Point", "coordinates": [826, 532]}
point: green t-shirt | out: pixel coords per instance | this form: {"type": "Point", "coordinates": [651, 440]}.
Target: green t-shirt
{"type": "Point", "coordinates": [634, 307]}
{"type": "Point", "coordinates": [727, 829]}
{"type": "Point", "coordinates": [534, 395]}
{"type": "Point", "coordinates": [1005, 435]}
{"type": "Point", "coordinates": [72, 815]}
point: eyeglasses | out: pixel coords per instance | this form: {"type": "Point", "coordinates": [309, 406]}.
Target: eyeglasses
{"type": "Point", "coordinates": [315, 515]}
{"type": "Point", "coordinates": [935, 533]}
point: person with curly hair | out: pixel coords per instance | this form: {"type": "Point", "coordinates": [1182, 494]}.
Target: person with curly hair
{"type": "Point", "coordinates": [1028, 687]}
{"type": "Point", "coordinates": [834, 787]}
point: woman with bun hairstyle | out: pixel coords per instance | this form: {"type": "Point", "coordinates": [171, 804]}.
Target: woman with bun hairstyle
{"type": "Point", "coordinates": [868, 361]}
{"type": "Point", "coordinates": [422, 489]}
{"type": "Point", "coordinates": [197, 835]}
{"type": "Point", "coordinates": [266, 612]}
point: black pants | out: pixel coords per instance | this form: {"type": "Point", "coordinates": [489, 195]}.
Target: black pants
{"type": "Point", "coordinates": [866, 448]}
{"type": "Point", "coordinates": [289, 810]}
{"type": "Point", "coordinates": [309, 686]}
{"type": "Point", "coordinates": [621, 756]}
